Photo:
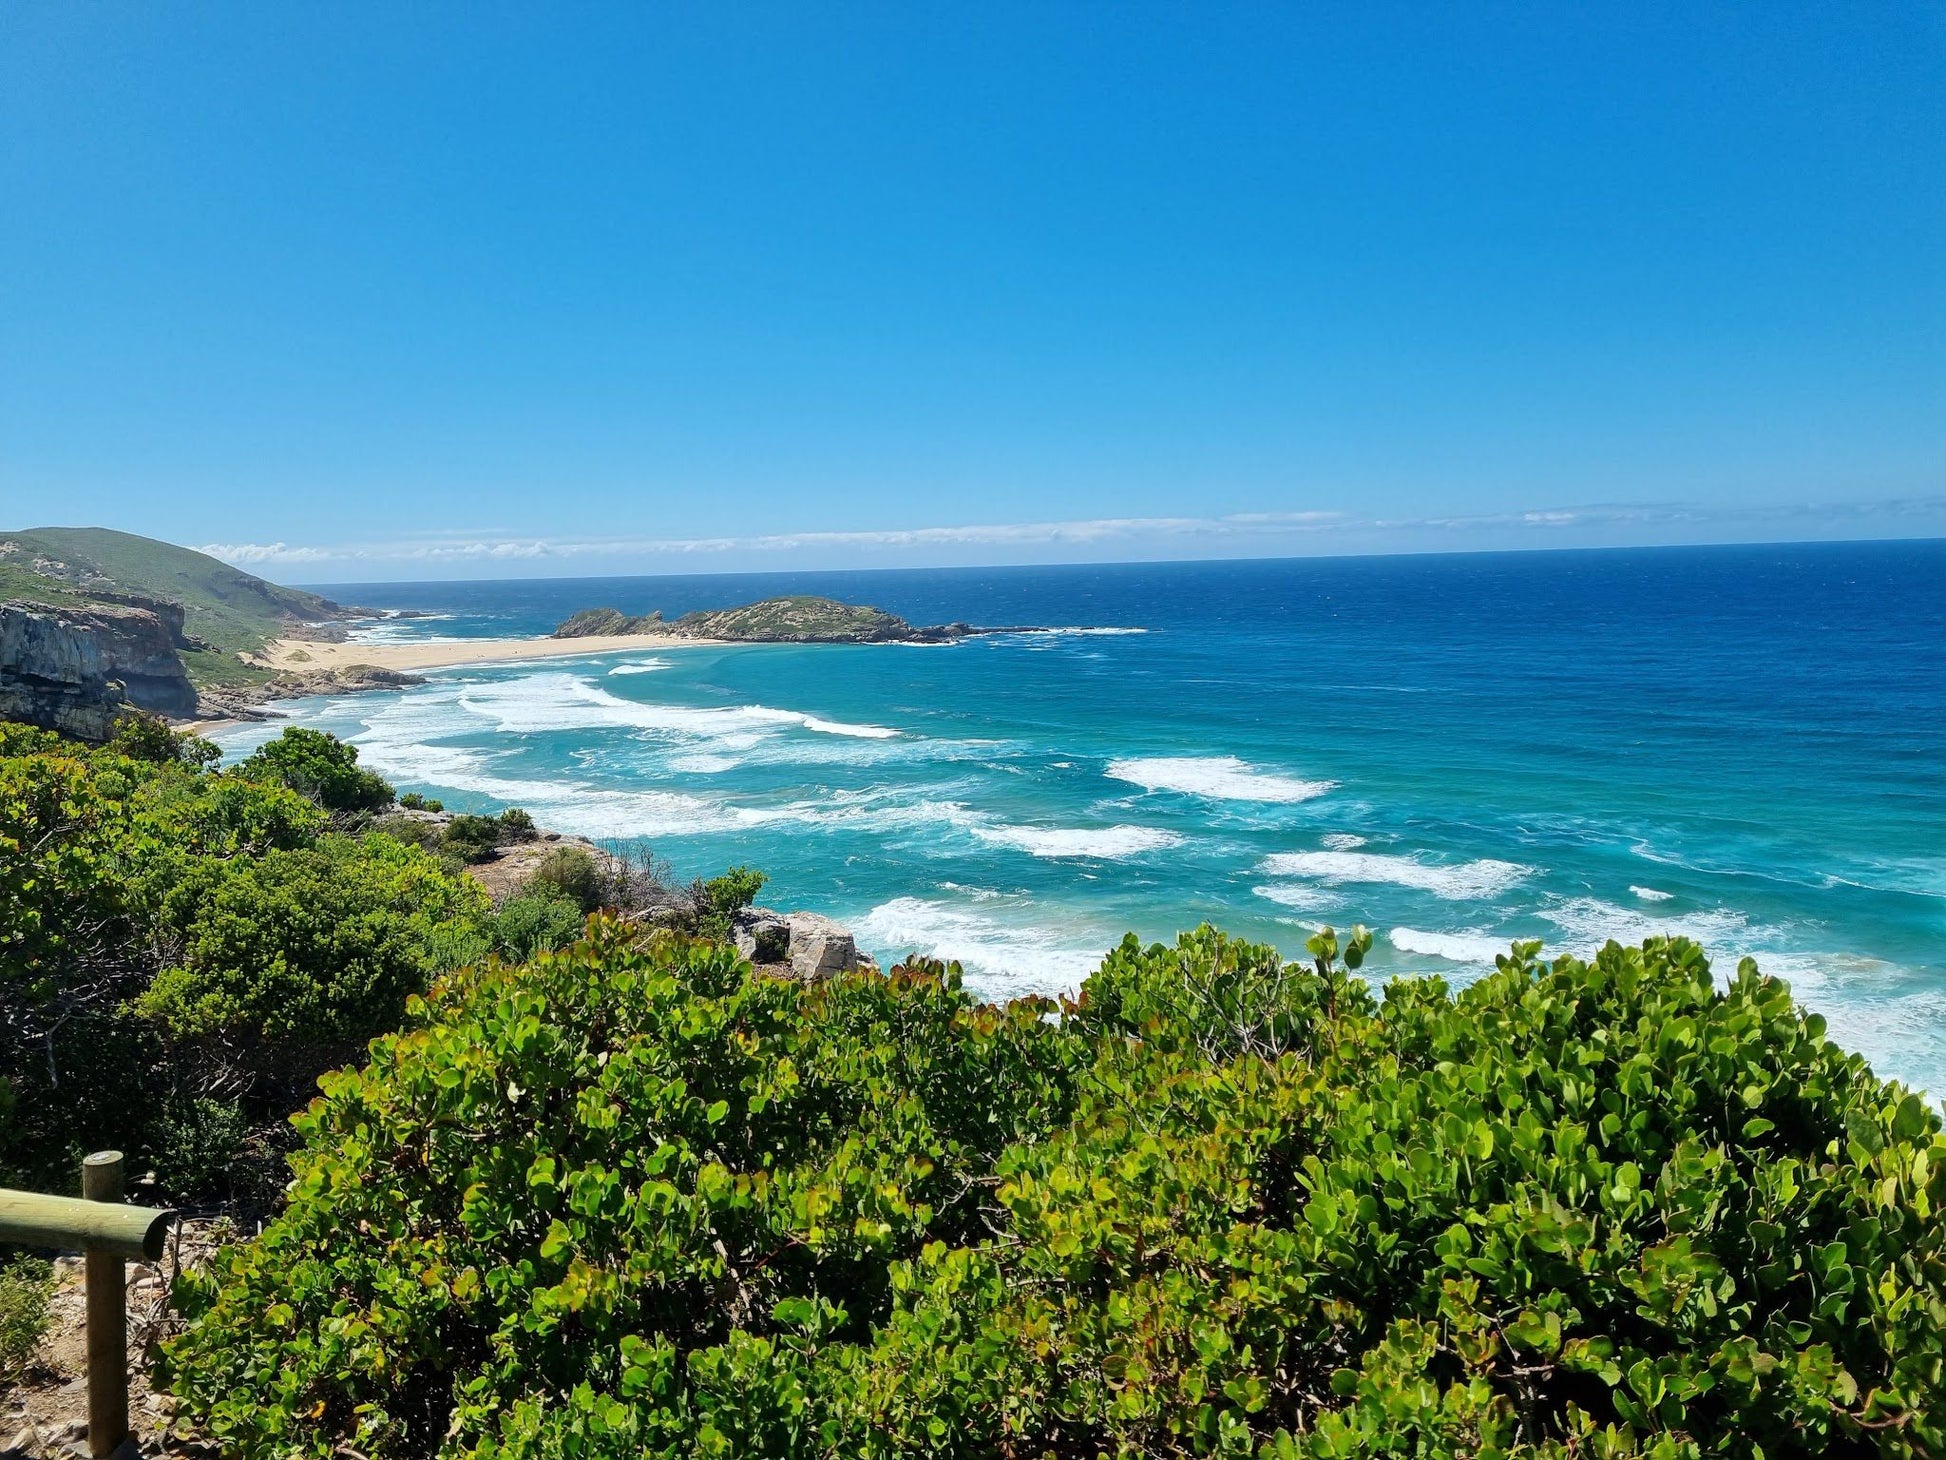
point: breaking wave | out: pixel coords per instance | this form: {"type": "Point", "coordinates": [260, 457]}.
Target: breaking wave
{"type": "Point", "coordinates": [1458, 882]}
{"type": "Point", "coordinates": [1218, 777]}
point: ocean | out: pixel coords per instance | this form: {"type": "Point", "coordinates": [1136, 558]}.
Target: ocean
{"type": "Point", "coordinates": [1743, 744]}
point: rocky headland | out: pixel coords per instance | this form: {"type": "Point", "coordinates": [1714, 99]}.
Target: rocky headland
{"type": "Point", "coordinates": [798, 619]}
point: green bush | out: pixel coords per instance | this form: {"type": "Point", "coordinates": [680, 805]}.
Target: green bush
{"type": "Point", "coordinates": [25, 1285]}
{"type": "Point", "coordinates": [720, 899]}
{"type": "Point", "coordinates": [318, 766]}
{"type": "Point", "coordinates": [321, 945]}
{"type": "Point", "coordinates": [635, 1199]}
{"type": "Point", "coordinates": [141, 736]}
{"type": "Point", "coordinates": [472, 838]}
{"type": "Point", "coordinates": [516, 825]}
{"type": "Point", "coordinates": [535, 923]}
{"type": "Point", "coordinates": [413, 801]}
{"type": "Point", "coordinates": [570, 873]}
{"type": "Point", "coordinates": [280, 936]}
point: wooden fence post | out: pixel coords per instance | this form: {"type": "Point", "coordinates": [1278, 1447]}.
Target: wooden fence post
{"type": "Point", "coordinates": [101, 1180]}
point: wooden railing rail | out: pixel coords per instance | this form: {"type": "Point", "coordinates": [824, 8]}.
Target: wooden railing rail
{"type": "Point", "coordinates": [109, 1234]}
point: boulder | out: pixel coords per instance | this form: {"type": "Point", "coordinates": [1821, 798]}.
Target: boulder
{"type": "Point", "coordinates": [762, 936]}
{"type": "Point", "coordinates": [819, 947]}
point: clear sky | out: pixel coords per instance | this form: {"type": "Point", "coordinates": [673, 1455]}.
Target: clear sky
{"type": "Point", "coordinates": [380, 290]}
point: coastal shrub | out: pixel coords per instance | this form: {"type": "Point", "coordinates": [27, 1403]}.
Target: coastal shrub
{"type": "Point", "coordinates": [636, 1199]}
{"type": "Point", "coordinates": [318, 766]}
{"type": "Point", "coordinates": [199, 1150]}
{"type": "Point", "coordinates": [413, 801]}
{"type": "Point", "coordinates": [720, 899]}
{"type": "Point", "coordinates": [516, 825]}
{"type": "Point", "coordinates": [26, 1283]}
{"type": "Point", "coordinates": [472, 838]}
{"type": "Point", "coordinates": [120, 862]}
{"type": "Point", "coordinates": [142, 736]}
{"type": "Point", "coordinates": [571, 874]}
{"type": "Point", "coordinates": [322, 944]}
{"type": "Point", "coordinates": [535, 923]}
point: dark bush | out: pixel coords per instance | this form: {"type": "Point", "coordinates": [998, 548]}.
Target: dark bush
{"type": "Point", "coordinates": [516, 825]}
{"type": "Point", "coordinates": [318, 766]}
{"type": "Point", "coordinates": [473, 838]}
{"type": "Point", "coordinates": [572, 874]}
{"type": "Point", "coordinates": [142, 736]}
{"type": "Point", "coordinates": [413, 801]}
{"type": "Point", "coordinates": [720, 899]}
{"type": "Point", "coordinates": [279, 947]}
{"type": "Point", "coordinates": [321, 945]}
{"type": "Point", "coordinates": [534, 923]}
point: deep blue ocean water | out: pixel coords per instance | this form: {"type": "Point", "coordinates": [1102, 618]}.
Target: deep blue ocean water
{"type": "Point", "coordinates": [1744, 744]}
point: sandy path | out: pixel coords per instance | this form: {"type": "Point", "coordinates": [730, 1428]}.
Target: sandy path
{"type": "Point", "coordinates": [303, 656]}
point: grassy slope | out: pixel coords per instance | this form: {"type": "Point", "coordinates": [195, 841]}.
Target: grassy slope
{"type": "Point", "coordinates": [233, 610]}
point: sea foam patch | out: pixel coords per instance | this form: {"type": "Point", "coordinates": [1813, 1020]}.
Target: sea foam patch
{"type": "Point", "coordinates": [1299, 896]}
{"type": "Point", "coordinates": [1109, 843]}
{"type": "Point", "coordinates": [537, 703]}
{"type": "Point", "coordinates": [1003, 953]}
{"type": "Point", "coordinates": [641, 666]}
{"type": "Point", "coordinates": [1218, 777]}
{"type": "Point", "coordinates": [1455, 882]}
{"type": "Point", "coordinates": [1463, 947]}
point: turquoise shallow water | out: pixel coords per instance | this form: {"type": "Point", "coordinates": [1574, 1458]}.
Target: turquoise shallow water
{"type": "Point", "coordinates": [1744, 744]}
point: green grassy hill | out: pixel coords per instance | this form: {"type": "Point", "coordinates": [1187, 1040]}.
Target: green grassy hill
{"type": "Point", "coordinates": [231, 610]}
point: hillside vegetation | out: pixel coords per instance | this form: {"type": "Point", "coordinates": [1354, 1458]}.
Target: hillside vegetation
{"type": "Point", "coordinates": [184, 950]}
{"type": "Point", "coordinates": [224, 607]}
{"type": "Point", "coordinates": [607, 1190]}
{"type": "Point", "coordinates": [799, 619]}
{"type": "Point", "coordinates": [634, 1198]}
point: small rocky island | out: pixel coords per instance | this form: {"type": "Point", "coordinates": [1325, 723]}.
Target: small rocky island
{"type": "Point", "coordinates": [801, 619]}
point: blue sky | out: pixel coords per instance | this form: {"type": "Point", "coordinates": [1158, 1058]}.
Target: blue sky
{"type": "Point", "coordinates": [365, 291]}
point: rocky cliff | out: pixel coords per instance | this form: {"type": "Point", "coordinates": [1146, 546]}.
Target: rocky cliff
{"type": "Point", "coordinates": [74, 669]}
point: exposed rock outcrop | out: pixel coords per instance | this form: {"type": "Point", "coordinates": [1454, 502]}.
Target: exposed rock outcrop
{"type": "Point", "coordinates": [809, 946]}
{"type": "Point", "coordinates": [245, 702]}
{"type": "Point", "coordinates": [75, 669]}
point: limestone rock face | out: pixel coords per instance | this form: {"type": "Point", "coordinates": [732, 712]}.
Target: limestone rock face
{"type": "Point", "coordinates": [812, 947]}
{"type": "Point", "coordinates": [75, 669]}
{"type": "Point", "coordinates": [819, 947]}
{"type": "Point", "coordinates": [762, 936]}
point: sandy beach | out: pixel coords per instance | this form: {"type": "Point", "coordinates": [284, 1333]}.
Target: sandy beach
{"type": "Point", "coordinates": [306, 656]}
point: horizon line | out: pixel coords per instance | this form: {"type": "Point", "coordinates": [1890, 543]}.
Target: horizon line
{"type": "Point", "coordinates": [1361, 556]}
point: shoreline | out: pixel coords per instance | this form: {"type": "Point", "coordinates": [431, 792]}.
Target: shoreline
{"type": "Point", "coordinates": [307, 656]}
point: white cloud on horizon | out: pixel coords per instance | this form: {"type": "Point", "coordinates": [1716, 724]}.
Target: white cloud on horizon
{"type": "Point", "coordinates": [483, 547]}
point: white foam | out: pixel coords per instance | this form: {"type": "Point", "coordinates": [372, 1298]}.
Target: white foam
{"type": "Point", "coordinates": [1462, 881]}
{"type": "Point", "coordinates": [560, 701]}
{"type": "Point", "coordinates": [1083, 633]}
{"type": "Point", "coordinates": [1589, 922]}
{"type": "Point", "coordinates": [1342, 841]}
{"type": "Point", "coordinates": [1003, 956]}
{"type": "Point", "coordinates": [1107, 843]}
{"type": "Point", "coordinates": [1650, 894]}
{"type": "Point", "coordinates": [837, 727]}
{"type": "Point", "coordinates": [641, 666]}
{"type": "Point", "coordinates": [1463, 947]}
{"type": "Point", "coordinates": [1299, 895]}
{"type": "Point", "coordinates": [880, 810]}
{"type": "Point", "coordinates": [1218, 777]}
{"type": "Point", "coordinates": [399, 633]}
